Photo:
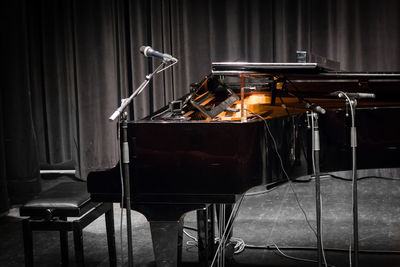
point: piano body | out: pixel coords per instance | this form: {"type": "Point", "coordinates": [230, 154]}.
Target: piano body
{"type": "Point", "coordinates": [212, 145]}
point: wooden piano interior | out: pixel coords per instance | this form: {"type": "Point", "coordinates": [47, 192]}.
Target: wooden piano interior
{"type": "Point", "coordinates": [270, 97]}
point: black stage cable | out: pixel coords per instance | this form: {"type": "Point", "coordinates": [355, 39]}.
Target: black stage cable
{"type": "Point", "coordinates": [272, 246]}
{"type": "Point", "coordinates": [296, 258]}
{"type": "Point", "coordinates": [289, 181]}
{"type": "Point", "coordinates": [353, 193]}
{"type": "Point", "coordinates": [240, 245]}
{"type": "Point", "coordinates": [311, 178]}
{"type": "Point", "coordinates": [362, 178]}
{"type": "Point", "coordinates": [190, 228]}
{"type": "Point", "coordinates": [284, 171]}
{"type": "Point", "coordinates": [256, 193]}
{"type": "Point", "coordinates": [333, 176]}
{"type": "Point", "coordinates": [365, 251]}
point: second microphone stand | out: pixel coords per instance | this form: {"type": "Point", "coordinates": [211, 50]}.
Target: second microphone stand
{"type": "Point", "coordinates": [352, 102]}
{"type": "Point", "coordinates": [315, 162]}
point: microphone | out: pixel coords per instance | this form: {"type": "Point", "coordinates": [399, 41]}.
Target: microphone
{"type": "Point", "coordinates": [315, 108]}
{"type": "Point", "coordinates": [353, 95]}
{"type": "Point", "coordinates": [319, 109]}
{"type": "Point", "coordinates": [150, 52]}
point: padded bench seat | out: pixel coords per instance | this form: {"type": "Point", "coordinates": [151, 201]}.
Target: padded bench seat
{"type": "Point", "coordinates": [50, 210]}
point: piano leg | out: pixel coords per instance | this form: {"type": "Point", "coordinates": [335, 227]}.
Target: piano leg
{"type": "Point", "coordinates": [166, 226]}
{"type": "Point", "coordinates": [167, 245]}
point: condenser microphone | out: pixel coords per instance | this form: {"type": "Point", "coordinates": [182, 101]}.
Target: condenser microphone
{"type": "Point", "coordinates": [353, 95]}
{"type": "Point", "coordinates": [150, 52]}
{"type": "Point", "coordinates": [315, 108]}
{"type": "Point", "coordinates": [319, 109]}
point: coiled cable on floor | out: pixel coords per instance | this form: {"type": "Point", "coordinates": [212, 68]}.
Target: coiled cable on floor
{"type": "Point", "coordinates": [239, 244]}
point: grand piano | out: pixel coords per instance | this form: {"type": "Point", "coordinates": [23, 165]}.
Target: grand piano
{"type": "Point", "coordinates": [212, 145]}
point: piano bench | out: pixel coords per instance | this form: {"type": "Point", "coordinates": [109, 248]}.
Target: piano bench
{"type": "Point", "coordinates": [50, 211]}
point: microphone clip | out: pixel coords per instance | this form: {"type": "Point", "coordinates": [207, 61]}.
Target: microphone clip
{"type": "Point", "coordinates": [315, 108]}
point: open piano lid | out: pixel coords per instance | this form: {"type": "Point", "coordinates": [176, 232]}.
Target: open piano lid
{"type": "Point", "coordinates": [223, 68]}
{"type": "Point", "coordinates": [312, 79]}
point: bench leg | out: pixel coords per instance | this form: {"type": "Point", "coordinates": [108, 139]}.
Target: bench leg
{"type": "Point", "coordinates": [28, 243]}
{"type": "Point", "coordinates": [112, 253]}
{"type": "Point", "coordinates": [78, 244]}
{"type": "Point", "coordinates": [64, 245]}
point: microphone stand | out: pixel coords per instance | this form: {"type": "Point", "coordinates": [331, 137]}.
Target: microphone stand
{"type": "Point", "coordinates": [351, 100]}
{"type": "Point", "coordinates": [125, 155]}
{"type": "Point", "coordinates": [127, 194]}
{"type": "Point", "coordinates": [353, 143]}
{"type": "Point", "coordinates": [316, 149]}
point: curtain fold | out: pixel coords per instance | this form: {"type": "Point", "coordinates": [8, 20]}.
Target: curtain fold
{"type": "Point", "coordinates": [70, 62]}
{"type": "Point", "coordinates": [52, 89]}
{"type": "Point", "coordinates": [4, 203]}
{"type": "Point", "coordinates": [96, 84]}
{"type": "Point", "coordinates": [20, 146]}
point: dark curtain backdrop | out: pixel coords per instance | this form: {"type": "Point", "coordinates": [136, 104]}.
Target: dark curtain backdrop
{"type": "Point", "coordinates": [69, 62]}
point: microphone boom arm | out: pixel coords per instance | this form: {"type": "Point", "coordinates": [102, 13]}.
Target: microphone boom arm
{"type": "Point", "coordinates": [127, 101]}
